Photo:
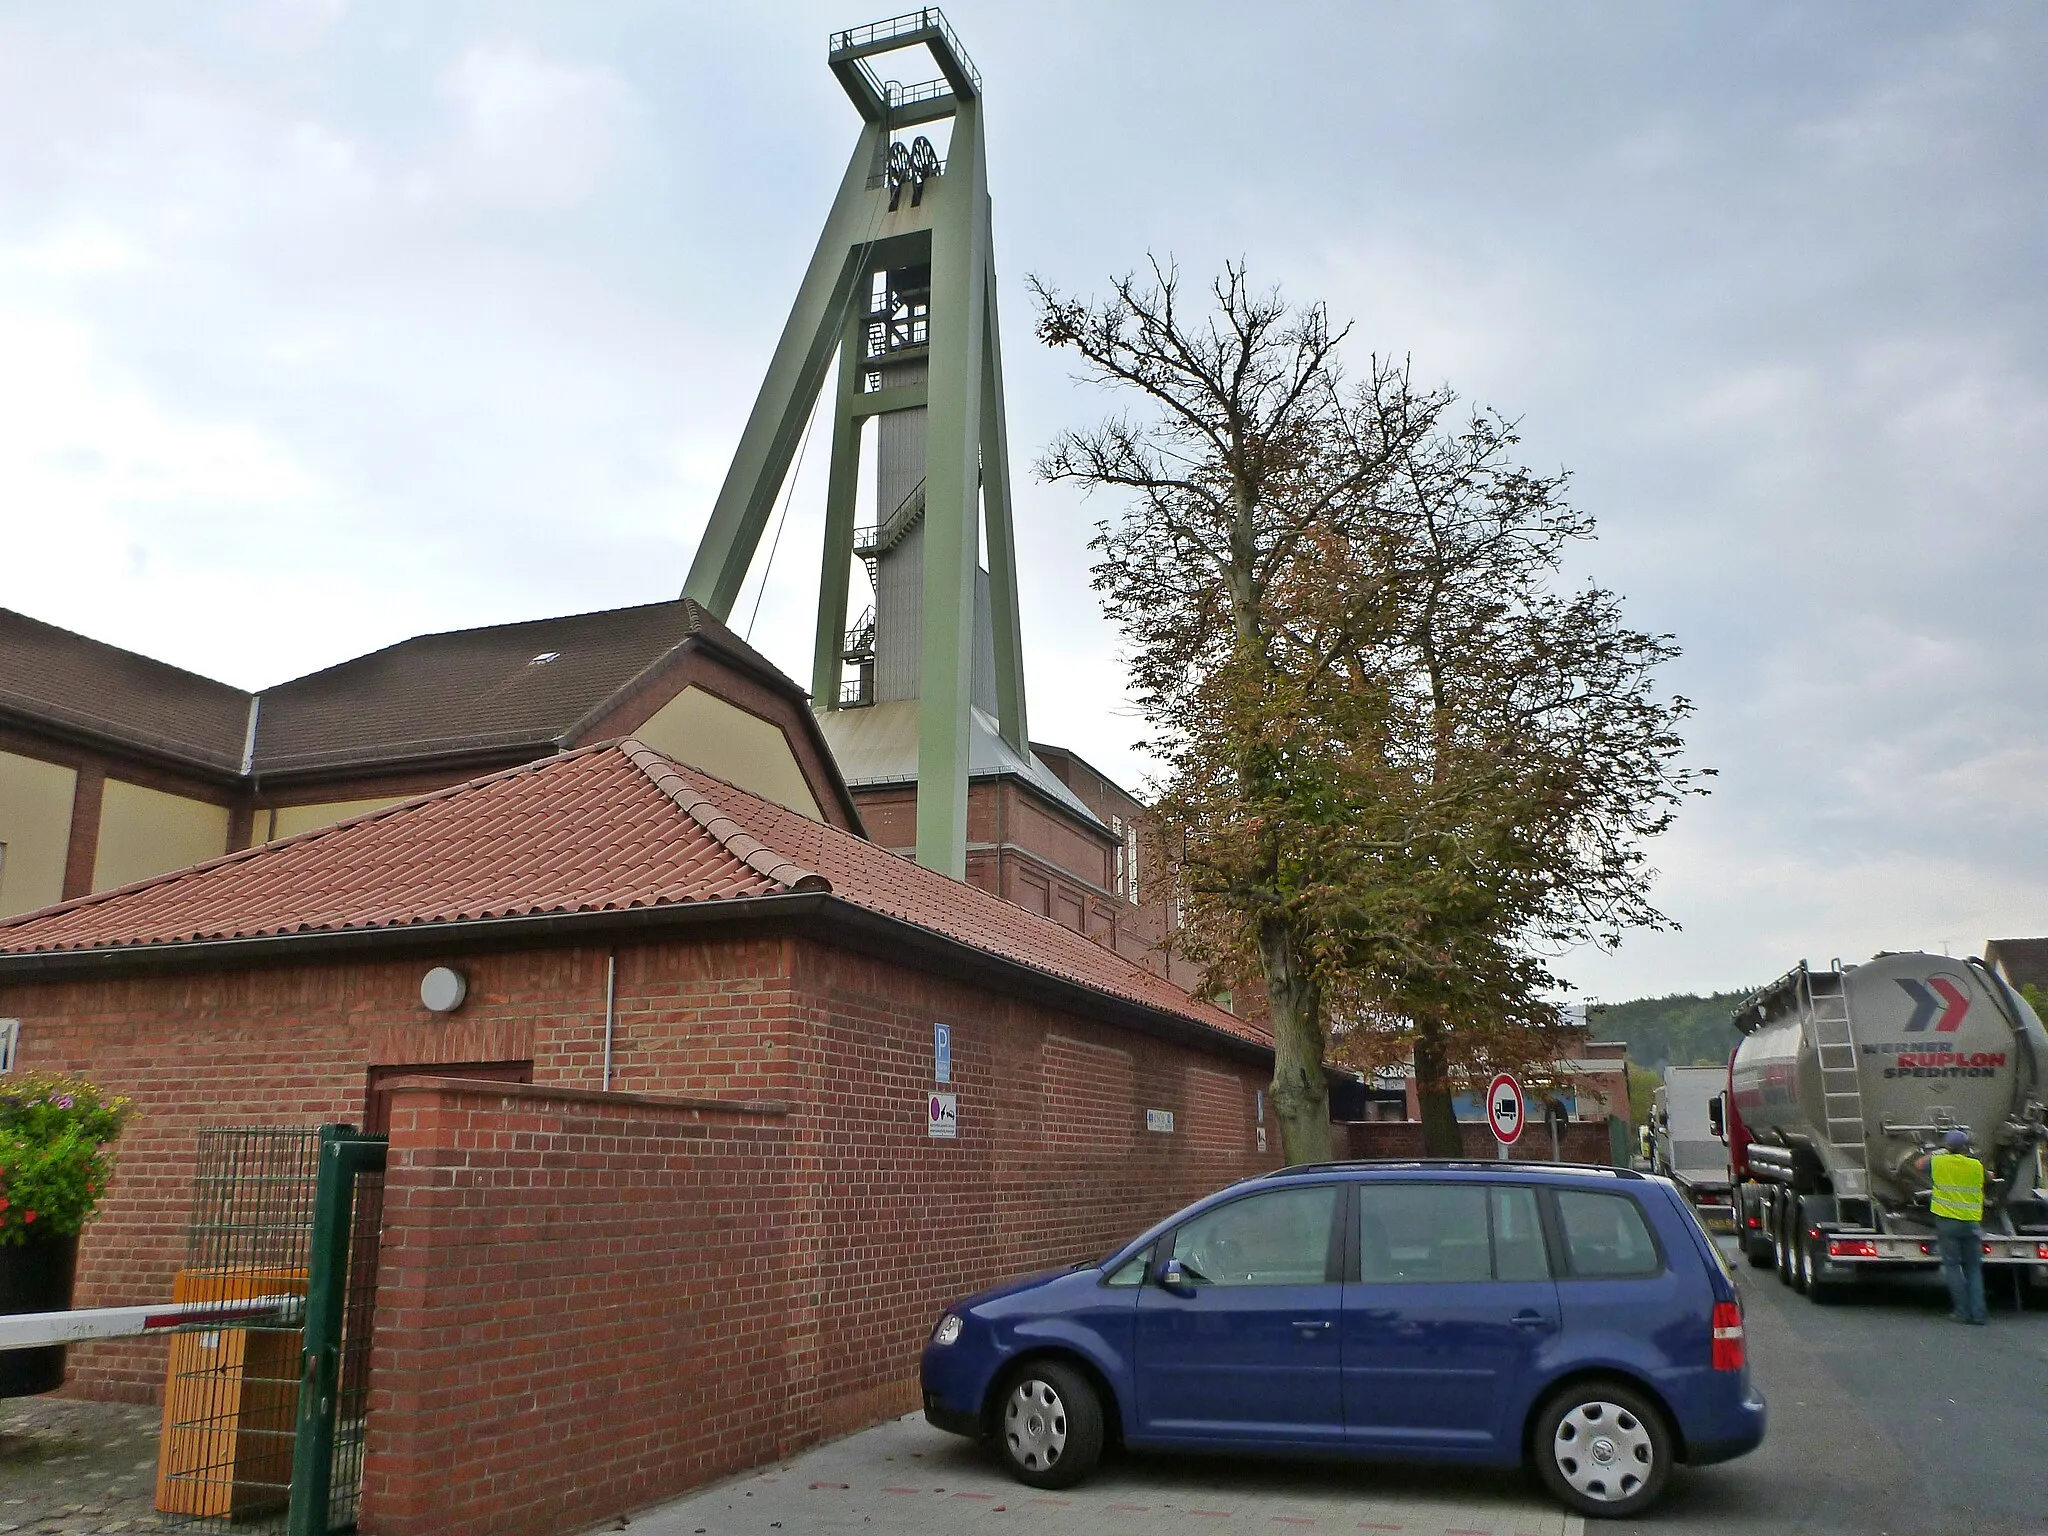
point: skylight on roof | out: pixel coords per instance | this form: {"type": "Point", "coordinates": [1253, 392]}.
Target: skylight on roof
{"type": "Point", "coordinates": [544, 658]}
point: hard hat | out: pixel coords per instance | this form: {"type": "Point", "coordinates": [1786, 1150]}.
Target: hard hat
{"type": "Point", "coordinates": [1956, 1140]}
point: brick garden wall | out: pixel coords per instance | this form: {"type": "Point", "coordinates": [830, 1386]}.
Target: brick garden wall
{"type": "Point", "coordinates": [582, 1306]}
{"type": "Point", "coordinates": [1584, 1141]}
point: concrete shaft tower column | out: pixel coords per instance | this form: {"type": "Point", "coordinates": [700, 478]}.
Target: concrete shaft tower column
{"type": "Point", "coordinates": [902, 288]}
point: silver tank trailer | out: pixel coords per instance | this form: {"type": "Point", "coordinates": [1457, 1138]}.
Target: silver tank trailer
{"type": "Point", "coordinates": [1865, 1066]}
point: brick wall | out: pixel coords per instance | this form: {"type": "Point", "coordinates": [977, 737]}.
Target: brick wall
{"type": "Point", "coordinates": [879, 1224]}
{"type": "Point", "coordinates": [1052, 1164]}
{"type": "Point", "coordinates": [1583, 1141]}
{"type": "Point", "coordinates": [275, 1046]}
{"type": "Point", "coordinates": [582, 1307]}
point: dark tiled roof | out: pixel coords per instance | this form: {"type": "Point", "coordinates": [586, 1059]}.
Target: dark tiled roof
{"type": "Point", "coordinates": [462, 693]}
{"type": "Point", "coordinates": [59, 678]}
{"type": "Point", "coordinates": [509, 686]}
{"type": "Point", "coordinates": [2023, 961]}
{"type": "Point", "coordinates": [601, 829]}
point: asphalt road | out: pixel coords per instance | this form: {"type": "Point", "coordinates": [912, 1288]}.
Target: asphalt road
{"type": "Point", "coordinates": [1885, 1418]}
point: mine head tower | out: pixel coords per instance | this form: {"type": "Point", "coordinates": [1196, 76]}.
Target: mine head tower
{"type": "Point", "coordinates": [930, 680]}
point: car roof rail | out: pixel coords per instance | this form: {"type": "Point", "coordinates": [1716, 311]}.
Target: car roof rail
{"type": "Point", "coordinates": [1479, 1164]}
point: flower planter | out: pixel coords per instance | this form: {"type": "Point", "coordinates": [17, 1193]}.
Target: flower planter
{"type": "Point", "coordinates": [35, 1276]}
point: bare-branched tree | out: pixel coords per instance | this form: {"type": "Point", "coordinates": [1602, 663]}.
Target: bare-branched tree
{"type": "Point", "coordinates": [1397, 761]}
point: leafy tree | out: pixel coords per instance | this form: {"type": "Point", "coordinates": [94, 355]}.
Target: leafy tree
{"type": "Point", "coordinates": [1642, 1093]}
{"type": "Point", "coordinates": [1683, 1029]}
{"type": "Point", "coordinates": [1396, 759]}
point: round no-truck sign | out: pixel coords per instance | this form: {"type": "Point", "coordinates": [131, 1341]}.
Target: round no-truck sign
{"type": "Point", "coordinates": [1504, 1108]}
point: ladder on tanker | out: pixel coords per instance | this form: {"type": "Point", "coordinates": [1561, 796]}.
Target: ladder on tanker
{"type": "Point", "coordinates": [1834, 1041]}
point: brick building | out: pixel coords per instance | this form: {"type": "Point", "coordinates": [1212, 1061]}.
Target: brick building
{"type": "Point", "coordinates": [710, 1021]}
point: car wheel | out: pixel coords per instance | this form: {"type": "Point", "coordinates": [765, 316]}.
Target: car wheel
{"type": "Point", "coordinates": [1603, 1449]}
{"type": "Point", "coordinates": [1049, 1425]}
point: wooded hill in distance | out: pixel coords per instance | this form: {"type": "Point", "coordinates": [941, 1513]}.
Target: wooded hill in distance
{"type": "Point", "coordinates": [1683, 1030]}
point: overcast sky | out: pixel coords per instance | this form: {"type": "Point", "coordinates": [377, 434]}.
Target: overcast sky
{"type": "Point", "coordinates": [326, 323]}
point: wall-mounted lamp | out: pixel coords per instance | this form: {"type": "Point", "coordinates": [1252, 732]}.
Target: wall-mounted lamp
{"type": "Point", "coordinates": [443, 989]}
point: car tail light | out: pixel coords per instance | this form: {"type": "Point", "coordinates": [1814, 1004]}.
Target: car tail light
{"type": "Point", "coordinates": [1987, 1247]}
{"type": "Point", "coordinates": [1756, 1221]}
{"type": "Point", "coordinates": [1851, 1248]}
{"type": "Point", "coordinates": [2041, 1250]}
{"type": "Point", "coordinates": [1926, 1248]}
{"type": "Point", "coordinates": [1727, 1336]}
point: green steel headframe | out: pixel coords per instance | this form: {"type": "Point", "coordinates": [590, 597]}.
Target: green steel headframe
{"type": "Point", "coordinates": [873, 227]}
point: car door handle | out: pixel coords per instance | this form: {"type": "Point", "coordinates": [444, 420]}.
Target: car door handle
{"type": "Point", "coordinates": [1530, 1320]}
{"type": "Point", "coordinates": [1306, 1326]}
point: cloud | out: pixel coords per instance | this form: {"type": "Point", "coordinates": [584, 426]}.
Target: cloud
{"type": "Point", "coordinates": [533, 133]}
{"type": "Point", "coordinates": [325, 324]}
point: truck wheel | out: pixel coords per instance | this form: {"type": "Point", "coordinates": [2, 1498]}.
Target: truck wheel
{"type": "Point", "coordinates": [1781, 1247]}
{"type": "Point", "coordinates": [1603, 1449]}
{"type": "Point", "coordinates": [1802, 1259]}
{"type": "Point", "coordinates": [1049, 1425]}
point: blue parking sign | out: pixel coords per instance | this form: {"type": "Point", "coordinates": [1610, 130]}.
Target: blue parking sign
{"type": "Point", "coordinates": [942, 1053]}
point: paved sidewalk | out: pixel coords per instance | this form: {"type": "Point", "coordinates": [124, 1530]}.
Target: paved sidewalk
{"type": "Point", "coordinates": [906, 1477]}
{"type": "Point", "coordinates": [80, 1469]}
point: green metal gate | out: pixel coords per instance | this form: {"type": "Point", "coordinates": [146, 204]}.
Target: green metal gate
{"type": "Point", "coordinates": [341, 1298]}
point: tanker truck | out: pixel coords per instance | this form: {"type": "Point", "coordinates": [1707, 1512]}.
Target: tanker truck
{"type": "Point", "coordinates": [1844, 1078]}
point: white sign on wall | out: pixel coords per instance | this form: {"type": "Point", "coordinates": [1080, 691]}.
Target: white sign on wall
{"type": "Point", "coordinates": [1160, 1120]}
{"type": "Point", "coordinates": [944, 1118]}
{"type": "Point", "coordinates": [10, 1037]}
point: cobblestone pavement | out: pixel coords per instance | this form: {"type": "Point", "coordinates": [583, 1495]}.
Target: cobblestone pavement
{"type": "Point", "coordinates": [906, 1477]}
{"type": "Point", "coordinates": [82, 1469]}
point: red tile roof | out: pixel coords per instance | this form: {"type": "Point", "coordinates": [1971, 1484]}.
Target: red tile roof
{"type": "Point", "coordinates": [602, 829]}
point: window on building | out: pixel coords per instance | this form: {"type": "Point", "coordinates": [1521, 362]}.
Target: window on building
{"type": "Point", "coordinates": [1605, 1236]}
{"type": "Point", "coordinates": [1130, 831]}
{"type": "Point", "coordinates": [1280, 1238]}
{"type": "Point", "coordinates": [1116, 825]}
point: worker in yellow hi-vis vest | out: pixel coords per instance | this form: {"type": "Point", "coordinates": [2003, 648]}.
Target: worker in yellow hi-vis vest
{"type": "Point", "coordinates": [1958, 1209]}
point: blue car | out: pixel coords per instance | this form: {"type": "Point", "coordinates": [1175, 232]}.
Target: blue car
{"type": "Point", "coordinates": [1489, 1313]}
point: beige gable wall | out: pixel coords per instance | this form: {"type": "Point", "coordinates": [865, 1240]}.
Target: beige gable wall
{"type": "Point", "coordinates": [144, 832]}
{"type": "Point", "coordinates": [704, 731]}
{"type": "Point", "coordinates": [291, 820]}
{"type": "Point", "coordinates": [35, 827]}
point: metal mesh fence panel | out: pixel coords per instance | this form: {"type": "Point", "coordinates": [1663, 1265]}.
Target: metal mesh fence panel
{"type": "Point", "coordinates": [359, 1305]}
{"type": "Point", "coordinates": [231, 1396]}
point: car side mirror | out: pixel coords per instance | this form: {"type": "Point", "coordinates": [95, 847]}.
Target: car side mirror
{"type": "Point", "coordinates": [1173, 1278]}
{"type": "Point", "coordinates": [1717, 1116]}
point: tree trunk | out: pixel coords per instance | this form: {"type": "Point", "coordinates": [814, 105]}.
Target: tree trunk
{"type": "Point", "coordinates": [1440, 1134]}
{"type": "Point", "coordinates": [1301, 1094]}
